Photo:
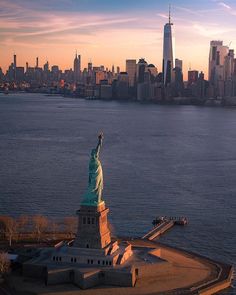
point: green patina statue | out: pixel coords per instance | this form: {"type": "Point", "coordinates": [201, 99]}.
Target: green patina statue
{"type": "Point", "coordinates": [93, 195]}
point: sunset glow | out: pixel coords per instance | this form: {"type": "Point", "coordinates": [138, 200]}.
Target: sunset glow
{"type": "Point", "coordinates": [108, 33]}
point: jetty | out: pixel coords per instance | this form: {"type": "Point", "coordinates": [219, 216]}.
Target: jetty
{"type": "Point", "coordinates": [162, 224]}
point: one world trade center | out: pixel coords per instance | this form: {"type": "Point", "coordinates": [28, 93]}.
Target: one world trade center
{"type": "Point", "coordinates": [168, 59]}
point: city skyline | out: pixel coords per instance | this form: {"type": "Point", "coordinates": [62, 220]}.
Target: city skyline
{"type": "Point", "coordinates": [102, 31]}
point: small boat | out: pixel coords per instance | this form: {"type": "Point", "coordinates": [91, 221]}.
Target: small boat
{"type": "Point", "coordinates": [181, 221]}
{"type": "Point", "coordinates": [176, 220]}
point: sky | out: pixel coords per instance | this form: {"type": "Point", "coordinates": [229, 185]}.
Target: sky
{"type": "Point", "coordinates": [108, 32]}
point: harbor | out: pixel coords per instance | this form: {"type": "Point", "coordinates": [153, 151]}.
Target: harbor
{"type": "Point", "coordinates": [171, 199]}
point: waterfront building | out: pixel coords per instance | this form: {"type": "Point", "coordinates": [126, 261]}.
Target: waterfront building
{"type": "Point", "coordinates": [106, 91]}
{"type": "Point", "coordinates": [15, 65]}
{"type": "Point", "coordinates": [142, 91]}
{"type": "Point", "coordinates": [96, 69]}
{"type": "Point", "coordinates": [229, 88]}
{"type": "Point", "coordinates": [90, 66]}
{"type": "Point", "coordinates": [29, 74]}
{"type": "Point", "coordinates": [37, 62]}
{"type": "Point", "coordinates": [222, 70]}
{"type": "Point", "coordinates": [229, 65]}
{"type": "Point", "coordinates": [68, 76]}
{"type": "Point", "coordinates": [143, 77]}
{"type": "Point", "coordinates": [90, 72]}
{"type": "Point", "coordinates": [55, 73]}
{"type": "Point", "coordinates": [153, 72]}
{"type": "Point", "coordinates": [202, 86]}
{"type": "Point", "coordinates": [234, 79]}
{"type": "Point", "coordinates": [109, 77]}
{"type": "Point", "coordinates": [10, 74]}
{"type": "Point", "coordinates": [229, 74]}
{"type": "Point", "coordinates": [179, 64]}
{"type": "Point", "coordinates": [218, 53]}
{"type": "Point", "coordinates": [131, 70]}
{"type": "Point", "coordinates": [20, 74]}
{"type": "Point", "coordinates": [168, 53]}
{"type": "Point", "coordinates": [123, 85]}
{"type": "Point", "coordinates": [1, 75]}
{"type": "Point", "coordinates": [178, 86]}
{"type": "Point", "coordinates": [141, 68]}
{"type": "Point", "coordinates": [39, 75]}
{"type": "Point", "coordinates": [192, 77]}
{"type": "Point", "coordinates": [46, 67]}
{"type": "Point", "coordinates": [77, 68]}
{"type": "Point", "coordinates": [46, 72]}
{"type": "Point", "coordinates": [99, 76]}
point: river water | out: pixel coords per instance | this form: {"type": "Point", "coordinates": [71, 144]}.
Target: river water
{"type": "Point", "coordinates": [157, 160]}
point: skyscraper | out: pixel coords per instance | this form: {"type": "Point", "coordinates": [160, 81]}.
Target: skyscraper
{"type": "Point", "coordinates": [123, 85]}
{"type": "Point", "coordinates": [179, 64]}
{"type": "Point", "coordinates": [218, 52]}
{"type": "Point", "coordinates": [229, 65]}
{"type": "Point", "coordinates": [218, 56]}
{"type": "Point", "coordinates": [141, 68]}
{"type": "Point", "coordinates": [90, 67]}
{"type": "Point", "coordinates": [168, 59]}
{"type": "Point", "coordinates": [131, 70]}
{"type": "Point", "coordinates": [37, 62]}
{"type": "Point", "coordinates": [77, 67]}
{"type": "Point", "coordinates": [14, 65]}
{"type": "Point", "coordinates": [46, 67]}
{"type": "Point", "coordinates": [192, 76]}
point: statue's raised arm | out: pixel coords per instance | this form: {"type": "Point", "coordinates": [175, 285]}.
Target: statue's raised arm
{"type": "Point", "coordinates": [100, 138]}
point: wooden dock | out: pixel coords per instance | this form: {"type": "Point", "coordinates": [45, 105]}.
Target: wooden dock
{"type": "Point", "coordinates": [162, 224]}
{"type": "Point", "coordinates": [158, 230]}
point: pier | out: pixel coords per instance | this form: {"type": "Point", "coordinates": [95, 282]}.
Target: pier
{"type": "Point", "coordinates": [162, 224]}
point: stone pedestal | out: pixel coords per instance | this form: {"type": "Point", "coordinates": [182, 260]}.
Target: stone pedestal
{"type": "Point", "coordinates": [93, 231]}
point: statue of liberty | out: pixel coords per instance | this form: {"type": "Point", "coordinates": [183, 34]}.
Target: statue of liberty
{"type": "Point", "coordinates": [93, 195]}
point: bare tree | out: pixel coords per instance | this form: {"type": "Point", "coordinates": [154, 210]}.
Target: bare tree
{"type": "Point", "coordinates": [9, 226]}
{"type": "Point", "coordinates": [23, 222]}
{"type": "Point", "coordinates": [2, 227]}
{"type": "Point", "coordinates": [4, 263]}
{"type": "Point", "coordinates": [54, 228]}
{"type": "Point", "coordinates": [40, 224]}
{"type": "Point", "coordinates": [70, 225]}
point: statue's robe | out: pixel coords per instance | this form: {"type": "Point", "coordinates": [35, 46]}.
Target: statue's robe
{"type": "Point", "coordinates": [93, 195]}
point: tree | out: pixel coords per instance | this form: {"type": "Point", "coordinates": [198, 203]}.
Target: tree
{"type": "Point", "coordinates": [9, 227]}
{"type": "Point", "coordinates": [40, 224]}
{"type": "Point", "coordinates": [70, 225]}
{"type": "Point", "coordinates": [22, 224]}
{"type": "Point", "coordinates": [4, 263]}
{"type": "Point", "coordinates": [2, 228]}
{"type": "Point", "coordinates": [54, 228]}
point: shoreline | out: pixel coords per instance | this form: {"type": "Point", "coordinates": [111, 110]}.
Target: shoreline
{"type": "Point", "coordinates": [229, 102]}
{"type": "Point", "coordinates": [220, 281]}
